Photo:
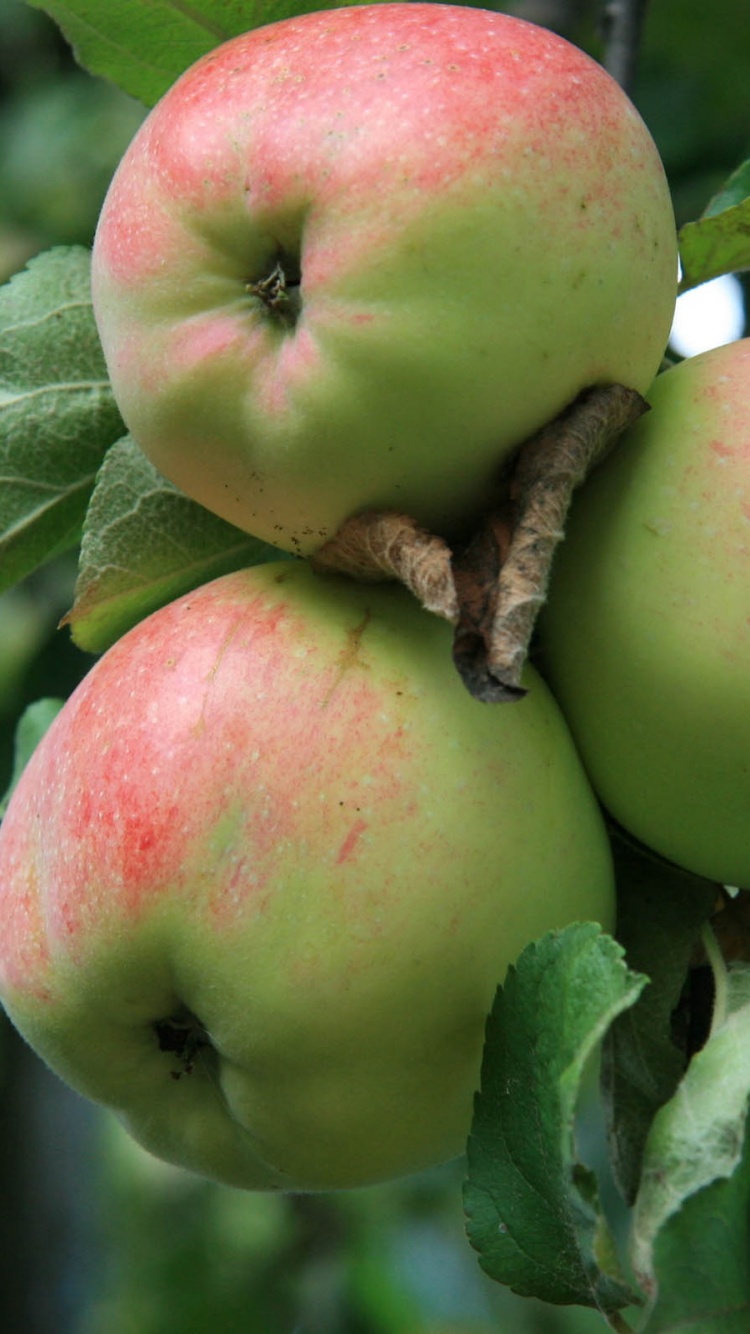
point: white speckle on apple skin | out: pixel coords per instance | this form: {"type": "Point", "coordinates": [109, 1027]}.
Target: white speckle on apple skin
{"type": "Point", "coordinates": [424, 166]}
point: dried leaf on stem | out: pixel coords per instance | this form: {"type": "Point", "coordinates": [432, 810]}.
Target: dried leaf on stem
{"type": "Point", "coordinates": [375, 546]}
{"type": "Point", "coordinates": [547, 469]}
{"type": "Point", "coordinates": [491, 590]}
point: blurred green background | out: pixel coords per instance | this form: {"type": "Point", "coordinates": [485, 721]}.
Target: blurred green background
{"type": "Point", "coordinates": [95, 1237]}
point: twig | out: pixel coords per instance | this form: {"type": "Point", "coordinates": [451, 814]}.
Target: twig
{"type": "Point", "coordinates": [622, 25]}
{"type": "Point", "coordinates": [500, 591]}
{"type": "Point", "coordinates": [492, 589]}
{"type": "Point", "coordinates": [375, 546]}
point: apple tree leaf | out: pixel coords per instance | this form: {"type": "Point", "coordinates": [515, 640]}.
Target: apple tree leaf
{"type": "Point", "coordinates": [691, 1221]}
{"type": "Point", "coordinates": [532, 1209]}
{"type": "Point", "coordinates": [700, 1260]}
{"type": "Point", "coordinates": [660, 912]}
{"type": "Point", "coordinates": [719, 241]}
{"type": "Point", "coordinates": [30, 729]}
{"type": "Point", "coordinates": [57, 412]}
{"type": "Point", "coordinates": [734, 191]}
{"type": "Point", "coordinates": [144, 45]}
{"type": "Point", "coordinates": [145, 543]}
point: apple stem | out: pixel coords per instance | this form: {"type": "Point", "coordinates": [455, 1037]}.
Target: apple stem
{"type": "Point", "coordinates": [386, 545]}
{"type": "Point", "coordinates": [548, 468]}
{"type": "Point", "coordinates": [491, 590]}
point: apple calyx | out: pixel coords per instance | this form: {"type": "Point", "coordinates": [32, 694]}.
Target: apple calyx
{"type": "Point", "coordinates": [182, 1035]}
{"type": "Point", "coordinates": [492, 588]}
{"type": "Point", "coordinates": [279, 290]}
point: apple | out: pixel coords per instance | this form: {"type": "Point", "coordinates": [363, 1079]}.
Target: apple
{"type": "Point", "coordinates": [646, 635]}
{"type": "Point", "coordinates": [261, 878]}
{"type": "Point", "coordinates": [353, 259]}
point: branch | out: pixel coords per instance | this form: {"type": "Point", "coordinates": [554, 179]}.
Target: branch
{"type": "Point", "coordinates": [622, 25]}
{"type": "Point", "coordinates": [383, 545]}
{"type": "Point", "coordinates": [502, 576]}
{"type": "Point", "coordinates": [491, 590]}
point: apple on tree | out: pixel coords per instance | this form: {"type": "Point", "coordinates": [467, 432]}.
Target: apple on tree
{"type": "Point", "coordinates": [353, 259]}
{"type": "Point", "coordinates": [261, 878]}
{"type": "Point", "coordinates": [645, 638]}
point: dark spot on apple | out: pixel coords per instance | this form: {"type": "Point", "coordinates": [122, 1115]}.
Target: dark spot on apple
{"type": "Point", "coordinates": [279, 289]}
{"type": "Point", "coordinates": [181, 1035]}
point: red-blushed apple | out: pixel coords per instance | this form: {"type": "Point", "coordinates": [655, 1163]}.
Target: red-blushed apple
{"type": "Point", "coordinates": [353, 259]}
{"type": "Point", "coordinates": [646, 634]}
{"type": "Point", "coordinates": [261, 877]}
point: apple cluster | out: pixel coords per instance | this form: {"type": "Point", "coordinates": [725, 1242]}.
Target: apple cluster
{"type": "Point", "coordinates": [262, 876]}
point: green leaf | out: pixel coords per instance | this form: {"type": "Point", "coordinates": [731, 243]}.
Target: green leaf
{"type": "Point", "coordinates": [144, 45]}
{"type": "Point", "coordinates": [57, 412]}
{"type": "Point", "coordinates": [660, 911]}
{"type": "Point", "coordinates": [734, 191]}
{"type": "Point", "coordinates": [532, 1209]}
{"type": "Point", "coordinates": [32, 726]}
{"type": "Point", "coordinates": [145, 543]}
{"type": "Point", "coordinates": [689, 1244]}
{"type": "Point", "coordinates": [700, 1260]}
{"type": "Point", "coordinates": [719, 242]}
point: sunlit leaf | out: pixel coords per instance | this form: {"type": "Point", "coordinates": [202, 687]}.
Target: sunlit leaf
{"type": "Point", "coordinates": [734, 191]}
{"type": "Point", "coordinates": [719, 242]}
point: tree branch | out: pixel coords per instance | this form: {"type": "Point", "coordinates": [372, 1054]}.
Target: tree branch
{"type": "Point", "coordinates": [622, 25]}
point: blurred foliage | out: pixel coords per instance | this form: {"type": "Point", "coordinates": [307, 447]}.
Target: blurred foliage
{"type": "Point", "coordinates": [53, 124]}
{"type": "Point", "coordinates": [61, 136]}
{"type": "Point", "coordinates": [35, 658]}
{"type": "Point", "coordinates": [694, 93]}
{"type": "Point", "coordinates": [182, 1256]}
{"type": "Point", "coordinates": [96, 1238]}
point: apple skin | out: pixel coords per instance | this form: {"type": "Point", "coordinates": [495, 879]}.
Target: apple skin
{"type": "Point", "coordinates": [482, 226]}
{"type": "Point", "coordinates": [273, 806]}
{"type": "Point", "coordinates": [645, 638]}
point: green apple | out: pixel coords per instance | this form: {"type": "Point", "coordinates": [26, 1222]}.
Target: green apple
{"type": "Point", "coordinates": [353, 259]}
{"type": "Point", "coordinates": [646, 635]}
{"type": "Point", "coordinates": [263, 874]}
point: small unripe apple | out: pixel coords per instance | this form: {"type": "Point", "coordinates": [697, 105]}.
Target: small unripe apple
{"type": "Point", "coordinates": [353, 259]}
{"type": "Point", "coordinates": [261, 878]}
{"type": "Point", "coordinates": [646, 634]}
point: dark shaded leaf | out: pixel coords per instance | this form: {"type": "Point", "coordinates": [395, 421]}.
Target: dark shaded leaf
{"type": "Point", "coordinates": [532, 1210]}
